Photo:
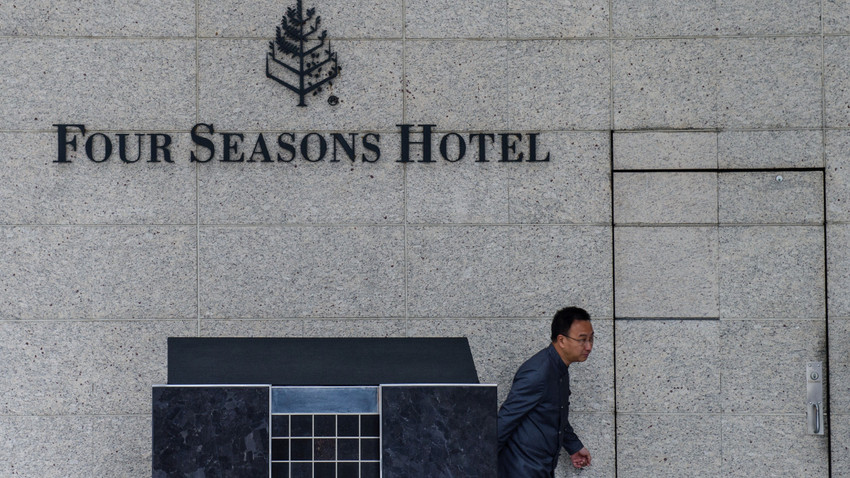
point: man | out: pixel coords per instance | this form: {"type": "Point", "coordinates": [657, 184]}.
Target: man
{"type": "Point", "coordinates": [534, 419]}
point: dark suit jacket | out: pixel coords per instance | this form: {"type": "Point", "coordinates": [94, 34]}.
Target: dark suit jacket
{"type": "Point", "coordinates": [534, 419]}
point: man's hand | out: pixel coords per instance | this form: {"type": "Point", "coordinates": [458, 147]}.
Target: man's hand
{"type": "Point", "coordinates": [581, 458]}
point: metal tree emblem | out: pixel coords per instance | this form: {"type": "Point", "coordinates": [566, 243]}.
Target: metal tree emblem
{"type": "Point", "coordinates": [298, 58]}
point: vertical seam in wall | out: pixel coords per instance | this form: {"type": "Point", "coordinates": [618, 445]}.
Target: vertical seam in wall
{"type": "Point", "coordinates": [828, 420]}
{"type": "Point", "coordinates": [405, 258]}
{"type": "Point", "coordinates": [613, 244]}
{"type": "Point", "coordinates": [613, 297]}
{"type": "Point", "coordinates": [611, 90]}
{"type": "Point", "coordinates": [197, 181]}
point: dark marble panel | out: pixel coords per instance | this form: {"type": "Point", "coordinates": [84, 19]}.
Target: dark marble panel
{"type": "Point", "coordinates": [370, 426]}
{"type": "Point", "coordinates": [438, 431]}
{"type": "Point", "coordinates": [349, 449]}
{"type": "Point", "coordinates": [302, 425]}
{"type": "Point", "coordinates": [348, 470]}
{"type": "Point", "coordinates": [325, 425]}
{"type": "Point", "coordinates": [302, 470]}
{"type": "Point", "coordinates": [280, 425]}
{"type": "Point", "coordinates": [210, 432]}
{"type": "Point", "coordinates": [280, 470]}
{"type": "Point", "coordinates": [348, 425]}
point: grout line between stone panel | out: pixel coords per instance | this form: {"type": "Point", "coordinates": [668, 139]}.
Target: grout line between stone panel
{"type": "Point", "coordinates": [722, 170]}
{"type": "Point", "coordinates": [68, 320]}
{"type": "Point", "coordinates": [828, 414]}
{"type": "Point", "coordinates": [690, 319]}
{"type": "Point", "coordinates": [720, 413]}
{"type": "Point", "coordinates": [611, 78]}
{"type": "Point", "coordinates": [613, 279]}
{"type": "Point", "coordinates": [71, 415]}
{"type": "Point", "coordinates": [197, 181]}
{"type": "Point", "coordinates": [453, 39]}
{"type": "Point", "coordinates": [405, 255]}
{"type": "Point", "coordinates": [442, 130]}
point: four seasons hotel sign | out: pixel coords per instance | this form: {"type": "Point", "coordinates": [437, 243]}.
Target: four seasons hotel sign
{"type": "Point", "coordinates": [300, 58]}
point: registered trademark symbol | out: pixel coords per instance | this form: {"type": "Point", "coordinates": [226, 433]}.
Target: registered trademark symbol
{"type": "Point", "coordinates": [333, 100]}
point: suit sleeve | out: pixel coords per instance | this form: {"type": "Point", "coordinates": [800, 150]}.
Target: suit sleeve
{"type": "Point", "coordinates": [526, 392]}
{"type": "Point", "coordinates": [571, 442]}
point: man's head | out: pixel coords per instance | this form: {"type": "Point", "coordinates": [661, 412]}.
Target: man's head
{"type": "Point", "coordinates": [572, 334]}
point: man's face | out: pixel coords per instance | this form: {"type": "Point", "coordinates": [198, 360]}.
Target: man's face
{"type": "Point", "coordinates": [577, 344]}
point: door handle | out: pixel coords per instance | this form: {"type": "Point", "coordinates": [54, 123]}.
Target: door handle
{"type": "Point", "coordinates": [814, 398]}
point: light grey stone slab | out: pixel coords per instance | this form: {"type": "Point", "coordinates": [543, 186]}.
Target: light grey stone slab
{"type": "Point", "coordinates": [303, 192]}
{"type": "Point", "coordinates": [573, 187]}
{"type": "Point", "coordinates": [558, 84]}
{"type": "Point", "coordinates": [836, 84]}
{"type": "Point", "coordinates": [786, 197]}
{"type": "Point", "coordinates": [771, 272]}
{"type": "Point", "coordinates": [837, 176]}
{"type": "Point", "coordinates": [765, 17]}
{"type": "Point", "coordinates": [592, 381]}
{"type": "Point", "coordinates": [91, 367]}
{"type": "Point", "coordinates": [109, 83]}
{"type": "Point", "coordinates": [769, 82]}
{"type": "Point", "coordinates": [500, 346]}
{"type": "Point", "coordinates": [666, 271]}
{"type": "Point", "coordinates": [268, 272]}
{"type": "Point", "coordinates": [463, 192]}
{"type": "Point", "coordinates": [355, 328]}
{"type": "Point", "coordinates": [456, 18]}
{"type": "Point", "coordinates": [665, 83]}
{"type": "Point", "coordinates": [763, 366]}
{"type": "Point", "coordinates": [38, 191]}
{"type": "Point", "coordinates": [235, 93]}
{"type": "Point", "coordinates": [681, 445]}
{"type": "Point", "coordinates": [68, 272]}
{"type": "Point", "coordinates": [664, 18]}
{"type": "Point", "coordinates": [665, 150]}
{"type": "Point", "coordinates": [508, 271]}
{"type": "Point", "coordinates": [759, 446]}
{"type": "Point", "coordinates": [98, 18]}
{"type": "Point", "coordinates": [665, 198]}
{"type": "Point", "coordinates": [251, 328]}
{"type": "Point", "coordinates": [840, 440]}
{"type": "Point", "coordinates": [457, 85]}
{"type": "Point", "coordinates": [770, 149]}
{"type": "Point", "coordinates": [596, 431]}
{"type": "Point", "coordinates": [76, 446]}
{"type": "Point", "coordinates": [838, 374]}
{"type": "Point", "coordinates": [666, 366]}
{"type": "Point", "coordinates": [556, 19]}
{"type": "Point", "coordinates": [352, 20]}
{"type": "Point", "coordinates": [838, 267]}
{"type": "Point", "coordinates": [836, 19]}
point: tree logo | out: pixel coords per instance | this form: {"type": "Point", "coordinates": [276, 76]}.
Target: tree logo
{"type": "Point", "coordinates": [298, 58]}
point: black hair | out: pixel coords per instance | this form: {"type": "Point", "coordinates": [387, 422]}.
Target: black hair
{"type": "Point", "coordinates": [564, 319]}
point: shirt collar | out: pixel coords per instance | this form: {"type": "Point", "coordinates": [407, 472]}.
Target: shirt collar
{"type": "Point", "coordinates": [556, 359]}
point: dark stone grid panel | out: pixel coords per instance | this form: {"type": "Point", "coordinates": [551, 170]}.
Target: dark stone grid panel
{"type": "Point", "coordinates": [211, 432]}
{"type": "Point", "coordinates": [326, 446]}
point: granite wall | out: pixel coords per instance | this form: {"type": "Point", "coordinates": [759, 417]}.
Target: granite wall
{"type": "Point", "coordinates": [711, 282]}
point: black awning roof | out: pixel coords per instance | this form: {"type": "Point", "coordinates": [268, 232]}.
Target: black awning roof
{"type": "Point", "coordinates": [319, 361]}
